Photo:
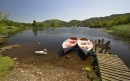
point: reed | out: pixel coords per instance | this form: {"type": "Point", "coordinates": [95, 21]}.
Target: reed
{"type": "Point", "coordinates": [121, 30]}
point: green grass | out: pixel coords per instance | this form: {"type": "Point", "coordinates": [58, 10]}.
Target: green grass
{"type": "Point", "coordinates": [6, 63]}
{"type": "Point", "coordinates": [9, 30]}
{"type": "Point", "coordinates": [121, 30]}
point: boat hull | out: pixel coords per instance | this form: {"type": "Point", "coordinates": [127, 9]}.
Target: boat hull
{"type": "Point", "coordinates": [85, 45]}
{"type": "Point", "coordinates": [69, 44]}
{"type": "Point", "coordinates": [67, 49]}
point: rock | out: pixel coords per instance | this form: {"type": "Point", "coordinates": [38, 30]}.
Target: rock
{"type": "Point", "coordinates": [82, 77]}
{"type": "Point", "coordinates": [21, 71]}
{"type": "Point", "coordinates": [9, 47]}
{"type": "Point", "coordinates": [17, 63]}
{"type": "Point", "coordinates": [32, 75]}
{"type": "Point", "coordinates": [67, 56]}
{"type": "Point", "coordinates": [15, 58]}
{"type": "Point", "coordinates": [39, 73]}
{"type": "Point", "coordinates": [83, 73]}
{"type": "Point", "coordinates": [58, 74]}
{"type": "Point", "coordinates": [6, 48]}
{"type": "Point", "coordinates": [16, 45]}
{"type": "Point", "coordinates": [39, 42]}
{"type": "Point", "coordinates": [45, 50]}
{"type": "Point", "coordinates": [83, 69]}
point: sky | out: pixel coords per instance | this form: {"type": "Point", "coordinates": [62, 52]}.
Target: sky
{"type": "Point", "coordinates": [40, 10]}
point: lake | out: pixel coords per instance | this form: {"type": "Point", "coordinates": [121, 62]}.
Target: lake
{"type": "Point", "coordinates": [52, 39]}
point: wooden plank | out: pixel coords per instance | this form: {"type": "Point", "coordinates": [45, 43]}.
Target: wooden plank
{"type": "Point", "coordinates": [115, 76]}
{"type": "Point", "coordinates": [105, 78]}
{"type": "Point", "coordinates": [123, 73]}
{"type": "Point", "coordinates": [112, 68]}
{"type": "Point", "coordinates": [115, 67]}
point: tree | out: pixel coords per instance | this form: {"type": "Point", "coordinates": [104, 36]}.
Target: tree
{"type": "Point", "coordinates": [3, 17]}
{"type": "Point", "coordinates": [40, 25]}
{"type": "Point", "coordinates": [74, 23]}
{"type": "Point", "coordinates": [34, 23]}
{"type": "Point", "coordinates": [53, 24]}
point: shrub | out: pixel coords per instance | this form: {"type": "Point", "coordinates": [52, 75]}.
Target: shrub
{"type": "Point", "coordinates": [6, 63]}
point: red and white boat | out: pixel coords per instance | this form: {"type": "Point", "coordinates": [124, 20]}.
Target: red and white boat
{"type": "Point", "coordinates": [85, 45]}
{"type": "Point", "coordinates": [69, 44]}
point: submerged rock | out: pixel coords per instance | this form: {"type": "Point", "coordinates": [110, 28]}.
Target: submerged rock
{"type": "Point", "coordinates": [9, 47]}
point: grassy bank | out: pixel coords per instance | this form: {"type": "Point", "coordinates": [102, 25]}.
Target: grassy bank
{"type": "Point", "coordinates": [120, 30]}
{"type": "Point", "coordinates": [9, 30]}
{"type": "Point", "coordinates": [5, 64]}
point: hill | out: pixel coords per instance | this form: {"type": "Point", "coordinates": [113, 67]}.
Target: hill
{"type": "Point", "coordinates": [108, 21]}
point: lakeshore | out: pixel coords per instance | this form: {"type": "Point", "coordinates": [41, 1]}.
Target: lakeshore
{"type": "Point", "coordinates": [32, 67]}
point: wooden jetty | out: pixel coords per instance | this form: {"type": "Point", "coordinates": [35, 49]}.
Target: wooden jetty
{"type": "Point", "coordinates": [112, 68]}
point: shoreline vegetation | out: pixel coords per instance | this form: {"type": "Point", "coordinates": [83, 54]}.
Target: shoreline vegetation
{"type": "Point", "coordinates": [120, 30]}
{"type": "Point", "coordinates": [10, 30]}
{"type": "Point", "coordinates": [6, 63]}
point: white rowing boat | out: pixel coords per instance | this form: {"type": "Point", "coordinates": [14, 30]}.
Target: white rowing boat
{"type": "Point", "coordinates": [85, 45]}
{"type": "Point", "coordinates": [69, 44]}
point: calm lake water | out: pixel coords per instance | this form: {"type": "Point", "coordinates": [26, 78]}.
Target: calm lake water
{"type": "Point", "coordinates": [52, 39]}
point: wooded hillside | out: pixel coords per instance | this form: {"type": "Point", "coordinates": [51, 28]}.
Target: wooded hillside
{"type": "Point", "coordinates": [108, 21]}
{"type": "Point", "coordinates": [95, 22]}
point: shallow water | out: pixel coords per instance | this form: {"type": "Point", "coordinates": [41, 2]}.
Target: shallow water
{"type": "Point", "coordinates": [52, 39]}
